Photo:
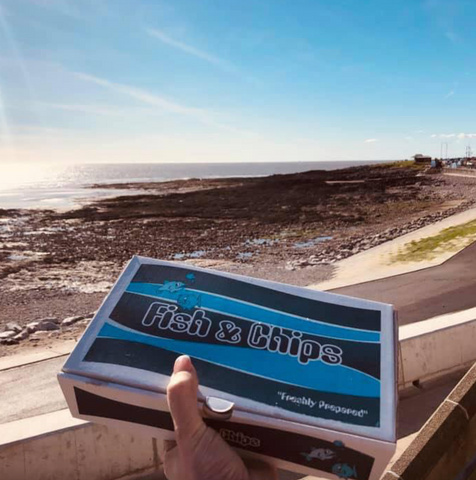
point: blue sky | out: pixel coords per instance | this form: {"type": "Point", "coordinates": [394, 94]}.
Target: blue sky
{"type": "Point", "coordinates": [227, 80]}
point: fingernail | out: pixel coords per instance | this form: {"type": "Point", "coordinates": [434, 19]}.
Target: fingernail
{"type": "Point", "coordinates": [183, 363]}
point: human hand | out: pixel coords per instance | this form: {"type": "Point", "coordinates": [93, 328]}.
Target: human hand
{"type": "Point", "coordinates": [199, 452]}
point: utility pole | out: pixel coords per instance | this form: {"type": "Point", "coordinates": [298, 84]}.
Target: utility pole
{"type": "Point", "coordinates": [445, 144]}
{"type": "Point", "coordinates": [469, 152]}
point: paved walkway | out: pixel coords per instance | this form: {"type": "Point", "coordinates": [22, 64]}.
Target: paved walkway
{"type": "Point", "coordinates": [377, 263]}
{"type": "Point", "coordinates": [427, 293]}
{"type": "Point", "coordinates": [31, 390]}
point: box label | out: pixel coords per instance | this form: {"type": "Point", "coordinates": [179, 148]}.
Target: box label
{"type": "Point", "coordinates": [302, 355]}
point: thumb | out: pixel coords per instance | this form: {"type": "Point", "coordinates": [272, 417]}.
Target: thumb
{"type": "Point", "coordinates": [258, 470]}
{"type": "Point", "coordinates": [182, 399]}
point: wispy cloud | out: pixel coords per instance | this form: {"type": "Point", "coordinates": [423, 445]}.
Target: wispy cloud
{"type": "Point", "coordinates": [146, 97]}
{"type": "Point", "coordinates": [454, 135]}
{"type": "Point", "coordinates": [198, 53]}
{"type": "Point", "coordinates": [447, 15]}
{"type": "Point", "coordinates": [443, 135]}
{"type": "Point", "coordinates": [452, 36]}
{"type": "Point", "coordinates": [409, 138]}
{"type": "Point", "coordinates": [450, 94]}
{"type": "Point", "coordinates": [186, 48]}
{"type": "Point", "coordinates": [203, 116]}
{"type": "Point", "coordinates": [97, 109]}
{"type": "Point", "coordinates": [419, 131]}
{"type": "Point", "coordinates": [371, 140]}
{"type": "Point", "coordinates": [90, 109]}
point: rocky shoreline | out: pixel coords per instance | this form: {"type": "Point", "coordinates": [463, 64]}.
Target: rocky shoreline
{"type": "Point", "coordinates": [287, 228]}
{"type": "Point", "coordinates": [49, 327]}
{"type": "Point", "coordinates": [359, 243]}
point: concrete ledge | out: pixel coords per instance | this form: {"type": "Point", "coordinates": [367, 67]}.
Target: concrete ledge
{"type": "Point", "coordinates": [14, 361]}
{"type": "Point", "coordinates": [436, 347]}
{"type": "Point", "coordinates": [446, 443]}
{"type": "Point", "coordinates": [57, 447]}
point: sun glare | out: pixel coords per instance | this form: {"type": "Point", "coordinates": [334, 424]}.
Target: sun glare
{"type": "Point", "coordinates": [6, 137]}
{"type": "Point", "coordinates": [12, 175]}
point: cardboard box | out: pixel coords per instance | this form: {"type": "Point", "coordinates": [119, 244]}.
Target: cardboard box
{"type": "Point", "coordinates": [312, 375]}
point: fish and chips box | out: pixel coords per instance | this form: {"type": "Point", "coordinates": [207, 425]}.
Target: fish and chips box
{"type": "Point", "coordinates": [302, 379]}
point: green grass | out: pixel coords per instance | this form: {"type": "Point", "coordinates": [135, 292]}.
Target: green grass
{"type": "Point", "coordinates": [449, 240]}
{"type": "Point", "coordinates": [403, 164]}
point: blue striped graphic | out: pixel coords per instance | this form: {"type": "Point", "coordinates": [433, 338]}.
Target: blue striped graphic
{"type": "Point", "coordinates": [283, 368]}
{"type": "Point", "coordinates": [229, 306]}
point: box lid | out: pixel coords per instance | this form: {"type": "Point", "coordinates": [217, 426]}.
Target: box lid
{"type": "Point", "coordinates": [277, 350]}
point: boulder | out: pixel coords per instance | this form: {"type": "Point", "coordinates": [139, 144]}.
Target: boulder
{"type": "Point", "coordinates": [84, 323]}
{"type": "Point", "coordinates": [13, 326]}
{"type": "Point", "coordinates": [49, 319]}
{"type": "Point", "coordinates": [7, 334]}
{"type": "Point", "coordinates": [32, 327]}
{"type": "Point", "coordinates": [22, 335]}
{"type": "Point", "coordinates": [46, 325]}
{"type": "Point", "coordinates": [71, 320]}
{"type": "Point", "coordinates": [9, 341]}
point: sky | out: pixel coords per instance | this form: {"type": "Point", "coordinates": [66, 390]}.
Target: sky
{"type": "Point", "coordinates": [238, 81]}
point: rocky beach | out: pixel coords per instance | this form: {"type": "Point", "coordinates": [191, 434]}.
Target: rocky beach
{"type": "Point", "coordinates": [57, 266]}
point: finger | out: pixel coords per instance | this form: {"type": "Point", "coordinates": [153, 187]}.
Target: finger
{"type": "Point", "coordinates": [166, 447]}
{"type": "Point", "coordinates": [182, 399]}
{"type": "Point", "coordinates": [184, 364]}
{"type": "Point", "coordinates": [173, 465]}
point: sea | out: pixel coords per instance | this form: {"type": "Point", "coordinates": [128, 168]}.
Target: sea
{"type": "Point", "coordinates": [48, 186]}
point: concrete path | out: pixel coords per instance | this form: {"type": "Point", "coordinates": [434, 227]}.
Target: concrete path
{"type": "Point", "coordinates": [31, 390]}
{"type": "Point", "coordinates": [427, 293]}
{"type": "Point", "coordinates": [378, 263]}
{"type": "Point", "coordinates": [460, 175]}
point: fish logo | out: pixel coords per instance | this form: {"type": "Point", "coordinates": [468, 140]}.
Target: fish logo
{"type": "Point", "coordinates": [319, 454]}
{"type": "Point", "coordinates": [190, 277]}
{"type": "Point", "coordinates": [172, 287]}
{"type": "Point", "coordinates": [342, 470]}
{"type": "Point", "coordinates": [189, 301]}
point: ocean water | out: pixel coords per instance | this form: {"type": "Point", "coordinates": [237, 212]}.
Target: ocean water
{"type": "Point", "coordinates": [68, 186]}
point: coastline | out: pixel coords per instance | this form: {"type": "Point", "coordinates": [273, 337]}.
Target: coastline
{"type": "Point", "coordinates": [291, 228]}
{"type": "Point", "coordinates": [64, 186]}
{"type": "Point", "coordinates": [388, 259]}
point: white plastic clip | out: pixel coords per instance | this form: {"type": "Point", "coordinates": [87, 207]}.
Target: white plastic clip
{"type": "Point", "coordinates": [217, 408]}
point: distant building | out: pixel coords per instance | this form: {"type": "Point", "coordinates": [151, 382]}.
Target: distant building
{"type": "Point", "coordinates": [436, 163]}
{"type": "Point", "coordinates": [419, 158]}
{"type": "Point", "coordinates": [470, 162]}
